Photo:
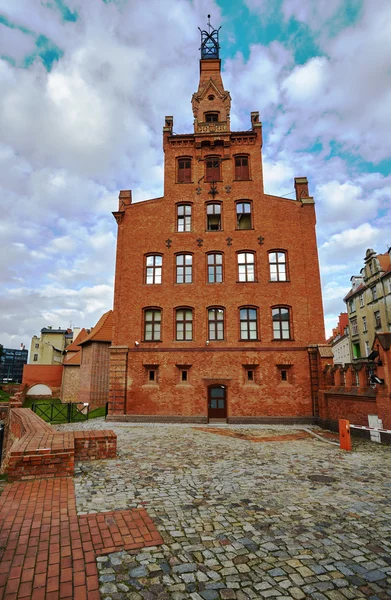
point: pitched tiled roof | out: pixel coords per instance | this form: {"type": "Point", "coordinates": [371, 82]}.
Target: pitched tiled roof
{"type": "Point", "coordinates": [74, 347]}
{"type": "Point", "coordinates": [103, 330]}
{"type": "Point", "coordinates": [384, 339]}
{"type": "Point", "coordinates": [325, 352]}
{"type": "Point", "coordinates": [73, 360]}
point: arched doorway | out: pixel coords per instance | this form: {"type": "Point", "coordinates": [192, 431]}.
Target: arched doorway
{"type": "Point", "coordinates": [217, 402]}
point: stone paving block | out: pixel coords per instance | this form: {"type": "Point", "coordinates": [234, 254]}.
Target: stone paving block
{"type": "Point", "coordinates": [223, 502]}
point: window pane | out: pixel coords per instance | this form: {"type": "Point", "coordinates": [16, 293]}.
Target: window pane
{"type": "Point", "coordinates": [150, 260]}
{"type": "Point", "coordinates": [219, 274]}
{"type": "Point", "coordinates": [188, 259]}
{"type": "Point", "coordinates": [272, 257]}
{"type": "Point", "coordinates": [180, 259]}
{"type": "Point", "coordinates": [219, 259]}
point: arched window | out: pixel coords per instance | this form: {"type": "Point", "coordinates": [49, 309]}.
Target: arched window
{"type": "Point", "coordinates": [183, 217]}
{"type": "Point", "coordinates": [215, 267]}
{"type": "Point", "coordinates": [211, 117]}
{"type": "Point", "coordinates": [246, 266]}
{"type": "Point", "coordinates": [248, 323]}
{"type": "Point", "coordinates": [153, 271]}
{"type": "Point", "coordinates": [184, 324]}
{"type": "Point", "coordinates": [243, 215]}
{"type": "Point", "coordinates": [278, 265]}
{"type": "Point", "coordinates": [242, 172]}
{"type": "Point", "coordinates": [281, 323]}
{"type": "Point", "coordinates": [213, 168]}
{"type": "Point", "coordinates": [213, 217]}
{"type": "Point", "coordinates": [216, 323]}
{"type": "Point", "coordinates": [184, 268]}
{"type": "Point", "coordinates": [184, 170]}
{"type": "Point", "coordinates": [152, 324]}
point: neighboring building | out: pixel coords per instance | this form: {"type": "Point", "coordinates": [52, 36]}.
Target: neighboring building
{"type": "Point", "coordinates": [48, 349]}
{"type": "Point", "coordinates": [340, 341]}
{"type": "Point", "coordinates": [12, 362]}
{"type": "Point", "coordinates": [369, 302]}
{"type": "Point", "coordinates": [217, 289]}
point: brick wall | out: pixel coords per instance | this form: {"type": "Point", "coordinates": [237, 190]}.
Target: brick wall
{"type": "Point", "coordinates": [70, 384]}
{"type": "Point", "coordinates": [35, 450]}
{"type": "Point", "coordinates": [345, 396]}
{"type": "Point", "coordinates": [94, 374]}
{"type": "Point", "coordinates": [48, 374]}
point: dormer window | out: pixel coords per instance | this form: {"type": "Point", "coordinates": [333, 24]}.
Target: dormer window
{"type": "Point", "coordinates": [211, 117]}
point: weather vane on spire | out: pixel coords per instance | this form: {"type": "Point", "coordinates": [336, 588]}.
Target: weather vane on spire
{"type": "Point", "coordinates": [210, 42]}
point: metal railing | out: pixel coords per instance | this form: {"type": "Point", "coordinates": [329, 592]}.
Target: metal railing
{"type": "Point", "coordinates": [62, 413]}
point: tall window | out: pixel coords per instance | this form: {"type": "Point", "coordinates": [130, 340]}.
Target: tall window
{"type": "Point", "coordinates": [184, 170]}
{"type": "Point", "coordinates": [361, 300]}
{"type": "Point", "coordinates": [184, 268]}
{"type": "Point", "coordinates": [241, 168]}
{"type": "Point", "coordinates": [152, 324]}
{"type": "Point", "coordinates": [354, 327]}
{"type": "Point", "coordinates": [243, 215]}
{"type": "Point", "coordinates": [246, 270]}
{"type": "Point", "coordinates": [216, 323]}
{"type": "Point", "coordinates": [377, 319]}
{"type": "Point", "coordinates": [154, 269]}
{"type": "Point", "coordinates": [277, 265]}
{"type": "Point", "coordinates": [281, 323]}
{"type": "Point", "coordinates": [248, 324]}
{"type": "Point", "coordinates": [374, 292]}
{"type": "Point", "coordinates": [215, 268]}
{"type": "Point", "coordinates": [213, 217]}
{"type": "Point", "coordinates": [211, 117]}
{"type": "Point", "coordinates": [184, 324]}
{"type": "Point", "coordinates": [352, 305]}
{"type": "Point", "coordinates": [364, 324]}
{"type": "Point", "coordinates": [212, 169]}
{"type": "Point", "coordinates": [184, 217]}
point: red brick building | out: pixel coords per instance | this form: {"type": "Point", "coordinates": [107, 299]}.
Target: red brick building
{"type": "Point", "coordinates": [217, 290]}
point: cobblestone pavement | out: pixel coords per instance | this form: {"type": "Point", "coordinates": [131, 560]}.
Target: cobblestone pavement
{"type": "Point", "coordinates": [240, 519]}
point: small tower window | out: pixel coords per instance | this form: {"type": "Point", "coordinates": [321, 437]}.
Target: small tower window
{"type": "Point", "coordinates": [211, 117]}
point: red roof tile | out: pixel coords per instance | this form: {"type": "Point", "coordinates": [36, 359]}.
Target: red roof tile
{"type": "Point", "coordinates": [74, 347]}
{"type": "Point", "coordinates": [103, 330]}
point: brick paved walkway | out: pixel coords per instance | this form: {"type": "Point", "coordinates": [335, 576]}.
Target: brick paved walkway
{"type": "Point", "coordinates": [48, 552]}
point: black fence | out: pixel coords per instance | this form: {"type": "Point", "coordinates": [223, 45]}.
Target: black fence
{"type": "Point", "coordinates": [61, 413]}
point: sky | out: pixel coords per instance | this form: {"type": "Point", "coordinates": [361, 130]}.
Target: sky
{"type": "Point", "coordinates": [85, 86]}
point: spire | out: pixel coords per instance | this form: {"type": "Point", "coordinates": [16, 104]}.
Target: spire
{"type": "Point", "coordinates": [211, 103]}
{"type": "Point", "coordinates": [209, 42]}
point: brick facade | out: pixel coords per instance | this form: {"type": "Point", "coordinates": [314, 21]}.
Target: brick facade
{"type": "Point", "coordinates": [279, 384]}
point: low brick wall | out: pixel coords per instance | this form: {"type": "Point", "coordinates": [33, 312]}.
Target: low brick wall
{"type": "Point", "coordinates": [36, 450]}
{"type": "Point", "coordinates": [95, 445]}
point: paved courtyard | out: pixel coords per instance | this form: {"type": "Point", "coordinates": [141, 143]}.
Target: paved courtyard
{"type": "Point", "coordinates": [244, 517]}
